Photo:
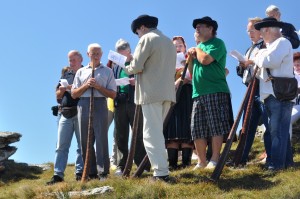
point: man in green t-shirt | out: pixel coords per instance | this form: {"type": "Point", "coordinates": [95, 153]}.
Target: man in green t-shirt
{"type": "Point", "coordinates": [211, 108]}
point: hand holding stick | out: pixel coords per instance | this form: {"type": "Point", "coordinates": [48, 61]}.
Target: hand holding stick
{"type": "Point", "coordinates": [90, 133]}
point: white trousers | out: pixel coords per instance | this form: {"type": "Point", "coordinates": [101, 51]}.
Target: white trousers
{"type": "Point", "coordinates": [154, 141]}
{"type": "Point", "coordinates": [295, 116]}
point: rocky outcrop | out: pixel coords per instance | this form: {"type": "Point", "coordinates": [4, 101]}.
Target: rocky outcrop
{"type": "Point", "coordinates": [6, 138]}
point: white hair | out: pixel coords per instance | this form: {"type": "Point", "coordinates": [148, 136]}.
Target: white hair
{"type": "Point", "coordinates": [93, 45]}
{"type": "Point", "coordinates": [272, 8]}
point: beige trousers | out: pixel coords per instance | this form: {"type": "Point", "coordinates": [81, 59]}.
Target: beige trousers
{"type": "Point", "coordinates": [154, 141]}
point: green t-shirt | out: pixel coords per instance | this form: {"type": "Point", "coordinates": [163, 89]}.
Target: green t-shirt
{"type": "Point", "coordinates": [208, 79]}
{"type": "Point", "coordinates": [124, 89]}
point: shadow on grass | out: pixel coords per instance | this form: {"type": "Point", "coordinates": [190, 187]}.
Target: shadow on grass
{"type": "Point", "coordinates": [17, 171]}
{"type": "Point", "coordinates": [248, 182]}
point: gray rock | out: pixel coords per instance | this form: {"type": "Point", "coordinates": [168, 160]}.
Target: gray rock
{"type": "Point", "coordinates": [6, 152]}
{"type": "Point", "coordinates": [44, 167]}
{"type": "Point", "coordinates": [7, 138]}
{"type": "Point", "coordinates": [91, 192]}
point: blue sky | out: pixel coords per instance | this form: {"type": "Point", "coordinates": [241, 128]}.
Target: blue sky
{"type": "Point", "coordinates": [37, 35]}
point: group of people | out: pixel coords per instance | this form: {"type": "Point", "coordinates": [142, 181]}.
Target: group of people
{"type": "Point", "coordinates": [179, 112]}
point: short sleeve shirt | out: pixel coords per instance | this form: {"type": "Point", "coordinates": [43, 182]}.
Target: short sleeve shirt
{"type": "Point", "coordinates": [103, 75]}
{"type": "Point", "coordinates": [211, 78]}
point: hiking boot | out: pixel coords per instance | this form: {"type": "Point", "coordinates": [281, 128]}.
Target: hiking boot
{"type": "Point", "coordinates": [54, 179]}
{"type": "Point", "coordinates": [78, 176]}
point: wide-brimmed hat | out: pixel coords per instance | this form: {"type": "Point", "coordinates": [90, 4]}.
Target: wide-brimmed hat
{"type": "Point", "coordinates": [149, 21]}
{"type": "Point", "coordinates": [206, 20]}
{"type": "Point", "coordinates": [268, 22]}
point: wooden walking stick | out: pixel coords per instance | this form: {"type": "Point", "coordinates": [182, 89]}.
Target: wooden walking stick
{"type": "Point", "coordinates": [220, 165]}
{"type": "Point", "coordinates": [243, 137]}
{"type": "Point", "coordinates": [90, 133]}
{"type": "Point", "coordinates": [145, 161]}
{"type": "Point", "coordinates": [135, 129]}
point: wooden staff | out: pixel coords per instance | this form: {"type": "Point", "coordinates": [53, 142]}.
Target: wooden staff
{"type": "Point", "coordinates": [243, 137]}
{"type": "Point", "coordinates": [90, 134]}
{"type": "Point", "coordinates": [135, 129]}
{"type": "Point", "coordinates": [220, 165]}
{"type": "Point", "coordinates": [145, 161]}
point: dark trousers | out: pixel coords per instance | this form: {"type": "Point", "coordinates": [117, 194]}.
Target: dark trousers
{"type": "Point", "coordinates": [124, 116]}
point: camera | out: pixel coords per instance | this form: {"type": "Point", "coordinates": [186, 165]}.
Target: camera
{"type": "Point", "coordinates": [54, 110]}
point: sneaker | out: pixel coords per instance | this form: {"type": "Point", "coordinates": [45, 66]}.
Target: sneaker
{"type": "Point", "coordinates": [78, 176]}
{"type": "Point", "coordinates": [211, 165]}
{"type": "Point", "coordinates": [198, 166]}
{"type": "Point", "coordinates": [194, 156]}
{"type": "Point", "coordinates": [119, 172]}
{"type": "Point", "coordinates": [167, 179]}
{"type": "Point", "coordinates": [55, 179]}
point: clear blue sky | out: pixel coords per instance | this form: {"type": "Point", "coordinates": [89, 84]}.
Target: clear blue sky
{"type": "Point", "coordinates": [37, 35]}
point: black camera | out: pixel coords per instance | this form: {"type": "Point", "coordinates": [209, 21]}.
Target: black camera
{"type": "Point", "coordinates": [54, 110]}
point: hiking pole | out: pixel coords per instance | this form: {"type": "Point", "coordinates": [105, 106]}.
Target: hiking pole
{"type": "Point", "coordinates": [220, 165]}
{"type": "Point", "coordinates": [145, 161]}
{"type": "Point", "coordinates": [243, 137]}
{"type": "Point", "coordinates": [135, 129]}
{"type": "Point", "coordinates": [90, 133]}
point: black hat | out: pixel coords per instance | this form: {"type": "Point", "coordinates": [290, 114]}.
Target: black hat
{"type": "Point", "coordinates": [206, 20]}
{"type": "Point", "coordinates": [149, 21]}
{"type": "Point", "coordinates": [268, 22]}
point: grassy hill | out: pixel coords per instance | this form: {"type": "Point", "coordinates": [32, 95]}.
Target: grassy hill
{"type": "Point", "coordinates": [23, 181]}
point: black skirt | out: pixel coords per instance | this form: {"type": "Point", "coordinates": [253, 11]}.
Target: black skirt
{"type": "Point", "coordinates": [179, 124]}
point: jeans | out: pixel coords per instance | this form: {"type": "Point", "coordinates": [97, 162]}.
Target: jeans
{"type": "Point", "coordinates": [278, 141]}
{"type": "Point", "coordinates": [66, 128]}
{"type": "Point", "coordinates": [258, 112]}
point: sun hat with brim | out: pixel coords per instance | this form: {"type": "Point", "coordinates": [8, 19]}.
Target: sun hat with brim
{"type": "Point", "coordinates": [206, 20]}
{"type": "Point", "coordinates": [268, 22]}
{"type": "Point", "coordinates": [146, 20]}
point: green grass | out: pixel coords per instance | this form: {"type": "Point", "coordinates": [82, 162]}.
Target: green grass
{"type": "Point", "coordinates": [21, 181]}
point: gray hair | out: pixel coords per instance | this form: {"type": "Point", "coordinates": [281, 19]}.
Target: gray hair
{"type": "Point", "coordinates": [75, 52]}
{"type": "Point", "coordinates": [94, 45]}
{"type": "Point", "coordinates": [272, 8]}
{"type": "Point", "coordinates": [122, 45]}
